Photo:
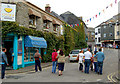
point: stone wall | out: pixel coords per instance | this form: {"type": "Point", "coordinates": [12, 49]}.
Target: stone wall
{"type": "Point", "coordinates": [22, 16]}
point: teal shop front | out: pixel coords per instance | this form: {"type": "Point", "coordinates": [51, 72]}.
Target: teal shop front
{"type": "Point", "coordinates": [21, 49]}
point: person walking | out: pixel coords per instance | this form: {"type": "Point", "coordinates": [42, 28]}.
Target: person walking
{"type": "Point", "coordinates": [102, 50]}
{"type": "Point", "coordinates": [95, 49]}
{"type": "Point", "coordinates": [100, 59]}
{"type": "Point", "coordinates": [4, 62]}
{"type": "Point", "coordinates": [37, 57]}
{"type": "Point", "coordinates": [95, 63]}
{"type": "Point", "coordinates": [80, 58]}
{"type": "Point", "coordinates": [61, 62]}
{"type": "Point", "coordinates": [54, 61]}
{"type": "Point", "coordinates": [87, 62]}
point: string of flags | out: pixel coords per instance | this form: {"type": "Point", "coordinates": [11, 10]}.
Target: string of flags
{"type": "Point", "coordinates": [74, 25]}
{"type": "Point", "coordinates": [111, 5]}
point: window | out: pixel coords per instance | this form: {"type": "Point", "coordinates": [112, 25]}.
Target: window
{"type": "Point", "coordinates": [92, 38]}
{"type": "Point", "coordinates": [32, 20]}
{"type": "Point", "coordinates": [99, 39]}
{"type": "Point", "coordinates": [46, 24]}
{"type": "Point", "coordinates": [110, 34]}
{"type": "Point", "coordinates": [98, 30]}
{"type": "Point", "coordinates": [55, 27]}
{"type": "Point", "coordinates": [104, 35]}
{"type": "Point", "coordinates": [104, 26]}
{"type": "Point", "coordinates": [118, 33]}
{"type": "Point", "coordinates": [96, 33]}
{"type": "Point", "coordinates": [92, 33]}
{"type": "Point", "coordinates": [29, 54]}
{"type": "Point", "coordinates": [110, 25]}
{"type": "Point", "coordinates": [95, 39]}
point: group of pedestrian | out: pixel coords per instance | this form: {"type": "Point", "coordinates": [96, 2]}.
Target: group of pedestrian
{"type": "Point", "coordinates": [58, 58]}
{"type": "Point", "coordinates": [88, 60]}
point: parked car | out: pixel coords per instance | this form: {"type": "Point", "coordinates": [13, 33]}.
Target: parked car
{"type": "Point", "coordinates": [109, 46]}
{"type": "Point", "coordinates": [74, 53]}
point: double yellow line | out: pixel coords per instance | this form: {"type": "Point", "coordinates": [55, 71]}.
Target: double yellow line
{"type": "Point", "coordinates": [110, 77]}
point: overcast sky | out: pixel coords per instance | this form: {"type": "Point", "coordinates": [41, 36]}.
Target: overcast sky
{"type": "Point", "coordinates": [85, 8]}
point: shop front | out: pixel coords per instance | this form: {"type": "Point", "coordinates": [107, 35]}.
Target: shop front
{"type": "Point", "coordinates": [21, 49]}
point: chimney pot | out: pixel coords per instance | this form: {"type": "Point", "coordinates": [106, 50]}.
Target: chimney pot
{"type": "Point", "coordinates": [47, 8]}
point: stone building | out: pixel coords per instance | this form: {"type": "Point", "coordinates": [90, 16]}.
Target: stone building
{"type": "Point", "coordinates": [110, 32]}
{"type": "Point", "coordinates": [31, 16]}
{"type": "Point", "coordinates": [91, 36]}
{"type": "Point", "coordinates": [22, 48]}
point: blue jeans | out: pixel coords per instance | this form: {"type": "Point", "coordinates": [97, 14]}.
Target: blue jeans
{"type": "Point", "coordinates": [100, 66]}
{"type": "Point", "coordinates": [87, 64]}
{"type": "Point", "coordinates": [37, 63]}
{"type": "Point", "coordinates": [54, 63]}
{"type": "Point", "coordinates": [96, 66]}
{"type": "Point", "coordinates": [3, 71]}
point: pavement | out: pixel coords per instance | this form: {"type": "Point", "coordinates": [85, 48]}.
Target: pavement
{"type": "Point", "coordinates": [27, 69]}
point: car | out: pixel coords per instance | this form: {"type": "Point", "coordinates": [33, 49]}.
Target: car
{"type": "Point", "coordinates": [74, 53]}
{"type": "Point", "coordinates": [109, 46]}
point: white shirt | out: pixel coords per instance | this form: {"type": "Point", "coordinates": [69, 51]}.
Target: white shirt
{"type": "Point", "coordinates": [80, 57]}
{"type": "Point", "coordinates": [88, 55]}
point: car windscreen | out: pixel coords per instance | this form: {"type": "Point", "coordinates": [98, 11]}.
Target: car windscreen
{"type": "Point", "coordinates": [74, 52]}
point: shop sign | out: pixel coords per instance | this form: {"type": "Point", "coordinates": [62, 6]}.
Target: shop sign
{"type": "Point", "coordinates": [8, 12]}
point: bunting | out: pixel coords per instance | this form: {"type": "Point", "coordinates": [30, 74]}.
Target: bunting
{"type": "Point", "coordinates": [103, 11]}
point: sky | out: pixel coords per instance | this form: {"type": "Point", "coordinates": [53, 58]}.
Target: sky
{"type": "Point", "coordinates": [85, 8]}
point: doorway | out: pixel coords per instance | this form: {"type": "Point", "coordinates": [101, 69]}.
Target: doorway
{"type": "Point", "coordinates": [9, 46]}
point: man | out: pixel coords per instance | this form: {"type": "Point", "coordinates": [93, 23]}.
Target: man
{"type": "Point", "coordinates": [4, 63]}
{"type": "Point", "coordinates": [37, 61]}
{"type": "Point", "coordinates": [100, 59]}
{"type": "Point", "coordinates": [95, 49]}
{"type": "Point", "coordinates": [88, 56]}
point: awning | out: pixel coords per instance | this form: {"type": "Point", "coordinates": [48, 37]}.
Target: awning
{"type": "Point", "coordinates": [55, 22]}
{"type": "Point", "coordinates": [45, 17]}
{"type": "Point", "coordinates": [33, 12]}
{"type": "Point", "coordinates": [31, 41]}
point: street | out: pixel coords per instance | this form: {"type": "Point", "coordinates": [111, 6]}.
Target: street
{"type": "Point", "coordinates": [71, 72]}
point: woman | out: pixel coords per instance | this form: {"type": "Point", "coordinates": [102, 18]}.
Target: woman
{"type": "Point", "coordinates": [80, 57]}
{"type": "Point", "coordinates": [61, 61]}
{"type": "Point", "coordinates": [54, 61]}
{"type": "Point", "coordinates": [95, 63]}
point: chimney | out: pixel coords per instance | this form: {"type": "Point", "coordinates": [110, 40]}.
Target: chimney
{"type": "Point", "coordinates": [47, 8]}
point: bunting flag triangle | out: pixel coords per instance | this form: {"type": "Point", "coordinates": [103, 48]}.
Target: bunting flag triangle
{"type": "Point", "coordinates": [111, 4]}
{"type": "Point", "coordinates": [99, 13]}
{"type": "Point", "coordinates": [103, 11]}
{"type": "Point", "coordinates": [107, 7]}
{"type": "Point", "coordinates": [115, 1]}
{"type": "Point", "coordinates": [90, 19]}
{"type": "Point", "coordinates": [81, 23]}
{"type": "Point", "coordinates": [73, 25]}
{"type": "Point", "coordinates": [96, 16]}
